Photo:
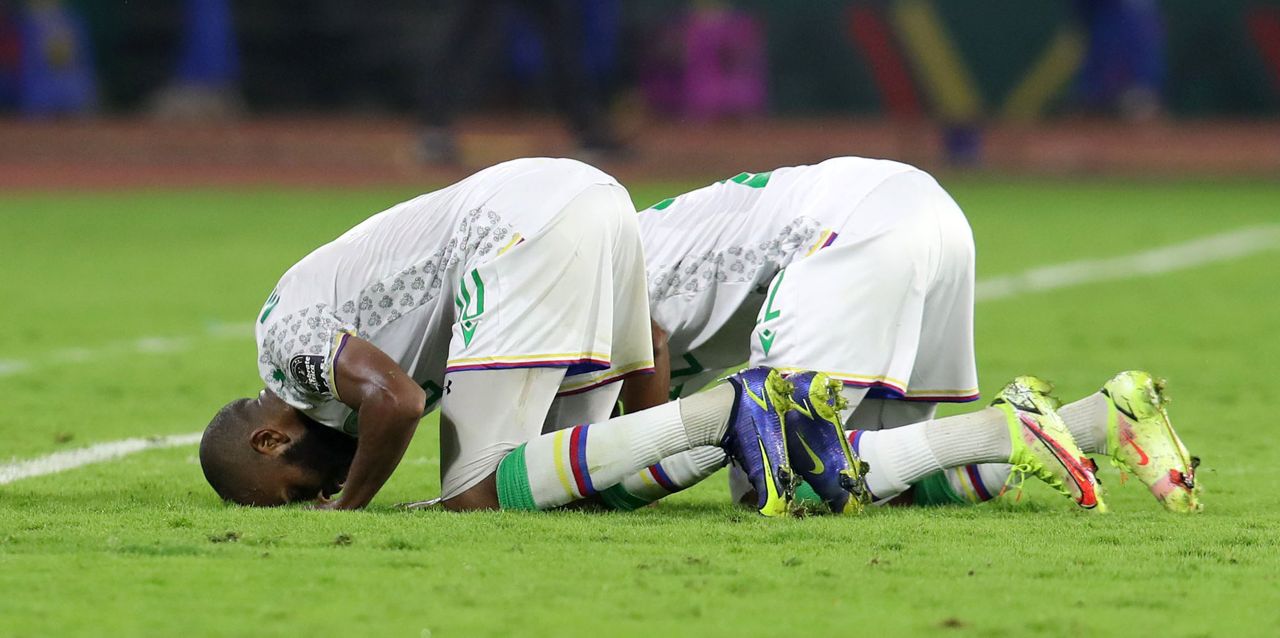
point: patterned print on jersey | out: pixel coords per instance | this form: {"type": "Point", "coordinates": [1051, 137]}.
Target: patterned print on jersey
{"type": "Point", "coordinates": [479, 234]}
{"type": "Point", "coordinates": [733, 264]}
{"type": "Point", "coordinates": [309, 330]}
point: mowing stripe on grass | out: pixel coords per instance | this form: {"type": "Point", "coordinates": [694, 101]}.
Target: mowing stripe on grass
{"type": "Point", "coordinates": [71, 459]}
{"type": "Point", "coordinates": [142, 345]}
{"type": "Point", "coordinates": [1206, 250]}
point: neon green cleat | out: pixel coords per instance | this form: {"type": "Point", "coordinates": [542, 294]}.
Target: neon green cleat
{"type": "Point", "coordinates": [1141, 441]}
{"type": "Point", "coordinates": [1042, 445]}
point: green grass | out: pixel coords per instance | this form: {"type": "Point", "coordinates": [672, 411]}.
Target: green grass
{"type": "Point", "coordinates": [141, 546]}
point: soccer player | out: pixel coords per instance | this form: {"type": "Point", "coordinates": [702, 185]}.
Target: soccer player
{"type": "Point", "coordinates": [863, 269]}
{"type": "Point", "coordinates": [515, 301]}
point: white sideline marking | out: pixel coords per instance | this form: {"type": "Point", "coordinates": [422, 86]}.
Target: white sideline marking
{"type": "Point", "coordinates": [1197, 252]}
{"type": "Point", "coordinates": [97, 453]}
{"type": "Point", "coordinates": [1206, 250]}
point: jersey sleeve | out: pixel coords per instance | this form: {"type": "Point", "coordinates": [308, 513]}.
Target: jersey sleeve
{"type": "Point", "coordinates": [297, 353]}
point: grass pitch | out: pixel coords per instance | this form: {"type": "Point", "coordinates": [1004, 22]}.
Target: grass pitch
{"type": "Point", "coordinates": [117, 308]}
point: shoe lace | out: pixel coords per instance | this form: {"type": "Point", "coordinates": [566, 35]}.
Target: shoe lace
{"type": "Point", "coordinates": [1017, 474]}
{"type": "Point", "coordinates": [1114, 459]}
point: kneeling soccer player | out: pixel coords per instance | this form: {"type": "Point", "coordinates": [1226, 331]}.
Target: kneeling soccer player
{"type": "Point", "coordinates": [863, 269]}
{"type": "Point", "coordinates": [516, 300]}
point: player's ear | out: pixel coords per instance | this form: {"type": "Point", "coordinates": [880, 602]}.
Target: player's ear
{"type": "Point", "coordinates": [268, 441]}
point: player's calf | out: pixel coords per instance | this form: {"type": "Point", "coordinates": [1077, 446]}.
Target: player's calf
{"type": "Point", "coordinates": [744, 417]}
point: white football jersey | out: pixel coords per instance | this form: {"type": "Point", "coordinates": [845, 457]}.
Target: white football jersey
{"type": "Point", "coordinates": [852, 266]}
{"type": "Point", "coordinates": [391, 280]}
{"type": "Point", "coordinates": [711, 251]}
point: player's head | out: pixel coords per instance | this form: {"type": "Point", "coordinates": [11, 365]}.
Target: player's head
{"type": "Point", "coordinates": [263, 452]}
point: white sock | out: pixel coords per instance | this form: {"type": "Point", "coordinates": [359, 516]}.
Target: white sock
{"type": "Point", "coordinates": [706, 415]}
{"type": "Point", "coordinates": [1087, 421]}
{"type": "Point", "coordinates": [567, 465]}
{"type": "Point", "coordinates": [976, 437]}
{"type": "Point", "coordinates": [979, 482]}
{"type": "Point", "coordinates": [668, 476]}
{"type": "Point", "coordinates": [901, 456]}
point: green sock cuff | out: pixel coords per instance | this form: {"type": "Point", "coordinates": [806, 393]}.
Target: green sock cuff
{"type": "Point", "coordinates": [514, 492]}
{"type": "Point", "coordinates": [935, 489]}
{"type": "Point", "coordinates": [806, 496]}
{"type": "Point", "coordinates": [620, 499]}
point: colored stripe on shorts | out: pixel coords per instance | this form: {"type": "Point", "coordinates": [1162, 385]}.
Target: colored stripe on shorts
{"type": "Point", "coordinates": [615, 375]}
{"type": "Point", "coordinates": [496, 363]}
{"type": "Point", "coordinates": [943, 398]}
{"type": "Point", "coordinates": [878, 389]}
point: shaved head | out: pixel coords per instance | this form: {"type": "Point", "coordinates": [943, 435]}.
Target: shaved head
{"type": "Point", "coordinates": [265, 453]}
{"type": "Point", "coordinates": [226, 456]}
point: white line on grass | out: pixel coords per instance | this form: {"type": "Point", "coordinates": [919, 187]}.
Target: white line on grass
{"type": "Point", "coordinates": [97, 453]}
{"type": "Point", "coordinates": [1198, 252]}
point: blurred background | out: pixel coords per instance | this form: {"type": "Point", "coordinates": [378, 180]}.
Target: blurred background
{"type": "Point", "coordinates": [196, 92]}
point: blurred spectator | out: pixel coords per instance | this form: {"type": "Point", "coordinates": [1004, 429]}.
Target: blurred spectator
{"type": "Point", "coordinates": [713, 64]}
{"type": "Point", "coordinates": [205, 79]}
{"type": "Point", "coordinates": [1124, 68]}
{"type": "Point", "coordinates": [10, 55]}
{"type": "Point", "coordinates": [55, 68]}
{"type": "Point", "coordinates": [578, 94]}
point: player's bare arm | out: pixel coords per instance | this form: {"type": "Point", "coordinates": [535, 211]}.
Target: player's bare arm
{"type": "Point", "coordinates": [641, 392]}
{"type": "Point", "coordinates": [389, 405]}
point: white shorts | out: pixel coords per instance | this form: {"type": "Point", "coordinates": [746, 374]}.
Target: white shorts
{"type": "Point", "coordinates": [566, 316]}
{"type": "Point", "coordinates": [572, 297]}
{"type": "Point", "coordinates": [889, 308]}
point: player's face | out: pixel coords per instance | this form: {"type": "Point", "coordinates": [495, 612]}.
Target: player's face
{"type": "Point", "coordinates": [315, 465]}
{"type": "Point", "coordinates": [300, 460]}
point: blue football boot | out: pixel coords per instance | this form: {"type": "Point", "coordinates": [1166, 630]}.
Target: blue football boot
{"type": "Point", "coordinates": [814, 433]}
{"type": "Point", "coordinates": [757, 440]}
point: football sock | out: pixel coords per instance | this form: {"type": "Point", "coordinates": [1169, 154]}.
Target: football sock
{"type": "Point", "coordinates": [806, 496]}
{"type": "Point", "coordinates": [1087, 421]}
{"type": "Point", "coordinates": [571, 464]}
{"type": "Point", "coordinates": [664, 478]}
{"type": "Point", "coordinates": [706, 415]}
{"type": "Point", "coordinates": [901, 456]}
{"type": "Point", "coordinates": [965, 485]}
